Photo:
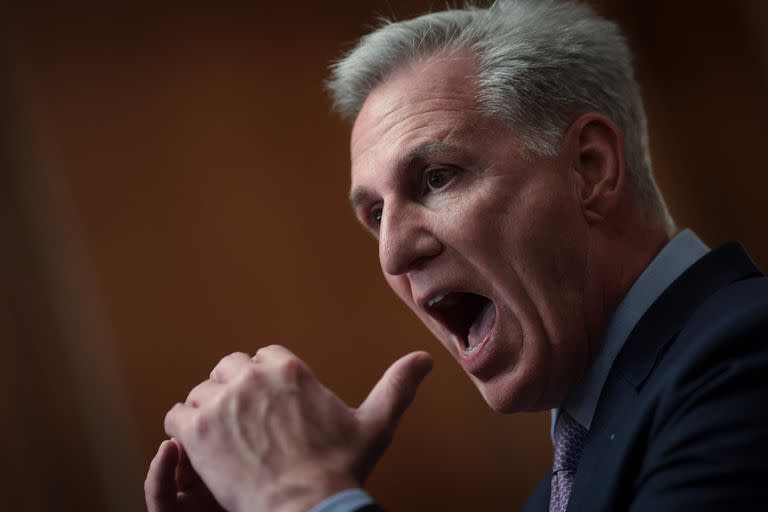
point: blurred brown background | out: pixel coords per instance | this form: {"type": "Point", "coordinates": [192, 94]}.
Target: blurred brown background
{"type": "Point", "coordinates": [173, 188]}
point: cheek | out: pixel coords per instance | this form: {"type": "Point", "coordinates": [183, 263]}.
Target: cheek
{"type": "Point", "coordinates": [533, 229]}
{"type": "Point", "coordinates": [402, 288]}
{"type": "Point", "coordinates": [546, 245]}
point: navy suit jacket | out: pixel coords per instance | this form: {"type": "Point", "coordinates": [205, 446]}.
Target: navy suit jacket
{"type": "Point", "coordinates": [682, 421]}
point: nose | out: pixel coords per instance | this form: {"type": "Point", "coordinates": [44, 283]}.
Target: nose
{"type": "Point", "coordinates": [406, 240]}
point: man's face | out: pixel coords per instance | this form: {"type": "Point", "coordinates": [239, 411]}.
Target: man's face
{"type": "Point", "coordinates": [487, 247]}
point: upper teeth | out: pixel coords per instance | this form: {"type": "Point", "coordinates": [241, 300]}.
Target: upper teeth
{"type": "Point", "coordinates": [435, 300]}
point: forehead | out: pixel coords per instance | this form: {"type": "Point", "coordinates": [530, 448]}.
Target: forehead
{"type": "Point", "coordinates": [426, 92]}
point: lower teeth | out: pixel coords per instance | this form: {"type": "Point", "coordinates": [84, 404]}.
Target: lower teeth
{"type": "Point", "coordinates": [471, 350]}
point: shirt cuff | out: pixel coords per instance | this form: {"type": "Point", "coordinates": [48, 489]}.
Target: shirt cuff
{"type": "Point", "coordinates": [345, 501]}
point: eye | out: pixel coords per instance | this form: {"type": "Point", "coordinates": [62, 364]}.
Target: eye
{"type": "Point", "coordinates": [376, 214]}
{"type": "Point", "coordinates": [438, 177]}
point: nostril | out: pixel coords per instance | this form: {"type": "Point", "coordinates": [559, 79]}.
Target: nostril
{"type": "Point", "coordinates": [419, 263]}
{"type": "Point", "coordinates": [402, 259]}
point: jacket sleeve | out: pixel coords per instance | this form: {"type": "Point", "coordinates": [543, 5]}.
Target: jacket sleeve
{"type": "Point", "coordinates": [351, 500]}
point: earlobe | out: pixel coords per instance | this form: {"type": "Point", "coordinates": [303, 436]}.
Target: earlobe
{"type": "Point", "coordinates": [598, 165]}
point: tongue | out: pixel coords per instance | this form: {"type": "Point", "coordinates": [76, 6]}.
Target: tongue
{"type": "Point", "coordinates": [481, 327]}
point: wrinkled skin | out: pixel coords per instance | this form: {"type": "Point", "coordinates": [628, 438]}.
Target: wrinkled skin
{"type": "Point", "coordinates": [262, 434]}
{"type": "Point", "coordinates": [500, 225]}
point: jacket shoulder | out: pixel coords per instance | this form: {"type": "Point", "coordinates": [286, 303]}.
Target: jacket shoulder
{"type": "Point", "coordinates": [730, 326]}
{"type": "Point", "coordinates": [707, 437]}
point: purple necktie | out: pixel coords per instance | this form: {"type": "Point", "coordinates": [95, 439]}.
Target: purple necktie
{"type": "Point", "coordinates": [569, 442]}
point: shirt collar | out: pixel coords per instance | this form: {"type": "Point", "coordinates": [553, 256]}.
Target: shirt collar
{"type": "Point", "coordinates": [675, 258]}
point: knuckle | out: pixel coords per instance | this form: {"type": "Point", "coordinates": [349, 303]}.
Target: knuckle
{"type": "Point", "coordinates": [226, 361]}
{"type": "Point", "coordinates": [200, 426]}
{"type": "Point", "coordinates": [191, 397]}
{"type": "Point", "coordinates": [170, 418]}
{"type": "Point", "coordinates": [196, 394]}
{"type": "Point", "coordinates": [267, 349]}
{"type": "Point", "coordinates": [251, 375]}
{"type": "Point", "coordinates": [233, 355]}
{"type": "Point", "coordinates": [291, 368]}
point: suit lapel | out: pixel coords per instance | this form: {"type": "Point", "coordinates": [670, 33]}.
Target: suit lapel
{"type": "Point", "coordinates": [616, 417]}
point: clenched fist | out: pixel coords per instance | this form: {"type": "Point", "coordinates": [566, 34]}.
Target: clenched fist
{"type": "Point", "coordinates": [262, 434]}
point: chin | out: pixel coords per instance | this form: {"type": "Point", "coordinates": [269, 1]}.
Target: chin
{"type": "Point", "coordinates": [502, 406]}
{"type": "Point", "coordinates": [502, 400]}
{"type": "Point", "coordinates": [506, 395]}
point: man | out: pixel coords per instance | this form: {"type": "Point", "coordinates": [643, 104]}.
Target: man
{"type": "Point", "coordinates": [500, 158]}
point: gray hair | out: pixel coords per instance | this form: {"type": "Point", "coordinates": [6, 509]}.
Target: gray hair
{"type": "Point", "coordinates": [540, 64]}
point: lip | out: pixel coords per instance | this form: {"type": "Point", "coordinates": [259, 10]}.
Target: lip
{"type": "Point", "coordinates": [424, 299]}
{"type": "Point", "coordinates": [479, 361]}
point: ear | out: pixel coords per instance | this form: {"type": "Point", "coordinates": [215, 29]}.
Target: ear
{"type": "Point", "coordinates": [596, 151]}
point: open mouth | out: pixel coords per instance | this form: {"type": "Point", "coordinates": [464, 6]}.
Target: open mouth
{"type": "Point", "coordinates": [469, 316]}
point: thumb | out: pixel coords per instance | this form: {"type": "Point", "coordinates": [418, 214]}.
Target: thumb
{"type": "Point", "coordinates": [394, 392]}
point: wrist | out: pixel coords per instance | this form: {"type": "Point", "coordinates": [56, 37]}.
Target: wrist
{"type": "Point", "coordinates": [301, 493]}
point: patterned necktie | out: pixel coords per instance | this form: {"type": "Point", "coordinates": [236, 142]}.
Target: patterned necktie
{"type": "Point", "coordinates": [569, 442]}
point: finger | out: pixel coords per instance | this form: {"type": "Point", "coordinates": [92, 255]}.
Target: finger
{"type": "Point", "coordinates": [199, 499]}
{"type": "Point", "coordinates": [280, 361]}
{"type": "Point", "coordinates": [394, 392]}
{"type": "Point", "coordinates": [202, 393]}
{"type": "Point", "coordinates": [193, 493]}
{"type": "Point", "coordinates": [160, 485]}
{"type": "Point", "coordinates": [178, 417]}
{"type": "Point", "coordinates": [273, 354]}
{"type": "Point", "coordinates": [186, 476]}
{"type": "Point", "coordinates": [229, 366]}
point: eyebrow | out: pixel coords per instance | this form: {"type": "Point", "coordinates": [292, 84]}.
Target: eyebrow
{"type": "Point", "coordinates": [360, 195]}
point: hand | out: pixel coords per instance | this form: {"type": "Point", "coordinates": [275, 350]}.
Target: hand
{"type": "Point", "coordinates": [172, 485]}
{"type": "Point", "coordinates": [265, 435]}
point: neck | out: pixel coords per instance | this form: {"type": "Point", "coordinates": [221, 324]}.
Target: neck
{"type": "Point", "coordinates": [618, 259]}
